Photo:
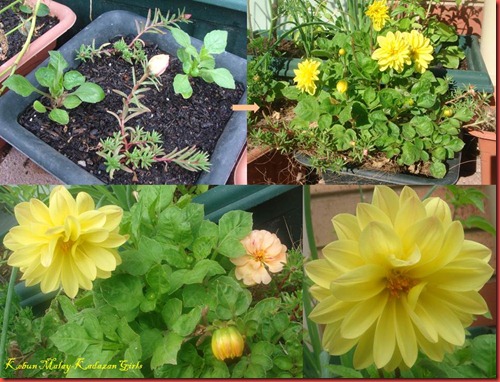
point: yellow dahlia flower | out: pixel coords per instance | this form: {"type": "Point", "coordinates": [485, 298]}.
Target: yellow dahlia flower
{"type": "Point", "coordinates": [378, 12]}
{"type": "Point", "coordinates": [306, 75]}
{"type": "Point", "coordinates": [68, 244]}
{"type": "Point", "coordinates": [264, 252]}
{"type": "Point", "coordinates": [394, 52]}
{"type": "Point", "coordinates": [227, 343]}
{"type": "Point", "coordinates": [399, 279]}
{"type": "Point", "coordinates": [420, 50]}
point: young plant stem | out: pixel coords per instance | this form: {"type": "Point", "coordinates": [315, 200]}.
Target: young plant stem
{"type": "Point", "coordinates": [26, 45]}
{"type": "Point", "coordinates": [154, 26]}
{"type": "Point", "coordinates": [7, 7]}
{"type": "Point", "coordinates": [6, 316]}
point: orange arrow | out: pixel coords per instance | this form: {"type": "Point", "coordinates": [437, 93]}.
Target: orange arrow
{"type": "Point", "coordinates": [253, 107]}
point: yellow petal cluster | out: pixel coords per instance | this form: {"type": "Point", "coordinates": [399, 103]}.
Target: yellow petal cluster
{"type": "Point", "coordinates": [227, 343]}
{"type": "Point", "coordinates": [378, 12]}
{"type": "Point", "coordinates": [342, 86]}
{"type": "Point", "coordinates": [400, 279]}
{"type": "Point", "coordinates": [306, 75]}
{"type": "Point", "coordinates": [68, 243]}
{"type": "Point", "coordinates": [420, 50]}
{"type": "Point", "coordinates": [264, 252]}
{"type": "Point", "coordinates": [402, 48]}
{"type": "Point", "coordinates": [394, 52]}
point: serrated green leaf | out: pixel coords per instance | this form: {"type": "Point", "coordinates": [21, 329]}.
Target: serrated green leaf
{"type": "Point", "coordinates": [221, 76]}
{"type": "Point", "coordinates": [158, 278]}
{"type": "Point", "coordinates": [233, 227]}
{"type": "Point", "coordinates": [123, 292]}
{"type": "Point", "coordinates": [181, 37]}
{"type": "Point", "coordinates": [186, 323]}
{"type": "Point", "coordinates": [166, 350]}
{"type": "Point", "coordinates": [172, 310]}
{"type": "Point", "coordinates": [215, 42]}
{"type": "Point", "coordinates": [438, 170]}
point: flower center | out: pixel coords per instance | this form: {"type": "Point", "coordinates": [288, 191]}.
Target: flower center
{"type": "Point", "coordinates": [398, 283]}
{"type": "Point", "coordinates": [259, 255]}
{"type": "Point", "coordinates": [66, 246]}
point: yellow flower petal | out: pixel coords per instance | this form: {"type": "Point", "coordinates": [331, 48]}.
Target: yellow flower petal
{"type": "Point", "coordinates": [360, 284]}
{"type": "Point", "coordinates": [405, 335]}
{"type": "Point", "coordinates": [363, 315]}
{"type": "Point", "coordinates": [330, 310]}
{"type": "Point", "coordinates": [367, 213]}
{"type": "Point", "coordinates": [346, 227]}
{"type": "Point", "coordinates": [384, 341]}
{"type": "Point", "coordinates": [343, 255]}
{"type": "Point", "coordinates": [386, 200]}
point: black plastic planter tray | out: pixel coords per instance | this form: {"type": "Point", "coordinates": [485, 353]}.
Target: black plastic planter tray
{"type": "Point", "coordinates": [475, 75]}
{"type": "Point", "coordinates": [105, 27]}
{"type": "Point", "coordinates": [363, 176]}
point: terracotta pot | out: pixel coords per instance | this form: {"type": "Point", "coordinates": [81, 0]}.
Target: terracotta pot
{"type": "Point", "coordinates": [240, 171]}
{"type": "Point", "coordinates": [39, 48]}
{"type": "Point", "coordinates": [488, 151]}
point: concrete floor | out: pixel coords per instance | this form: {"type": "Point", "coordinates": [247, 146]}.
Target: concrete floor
{"type": "Point", "coordinates": [15, 168]}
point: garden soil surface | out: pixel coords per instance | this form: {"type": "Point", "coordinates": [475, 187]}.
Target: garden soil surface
{"type": "Point", "coordinates": [198, 121]}
{"type": "Point", "coordinates": [9, 20]}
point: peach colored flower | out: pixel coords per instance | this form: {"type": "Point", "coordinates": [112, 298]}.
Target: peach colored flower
{"type": "Point", "coordinates": [264, 253]}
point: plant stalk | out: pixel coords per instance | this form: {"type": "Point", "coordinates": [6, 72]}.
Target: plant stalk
{"type": "Point", "coordinates": [6, 316]}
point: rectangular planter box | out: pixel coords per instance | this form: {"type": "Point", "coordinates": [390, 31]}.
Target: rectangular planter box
{"type": "Point", "coordinates": [363, 177]}
{"type": "Point", "coordinates": [105, 27]}
{"type": "Point", "coordinates": [39, 47]}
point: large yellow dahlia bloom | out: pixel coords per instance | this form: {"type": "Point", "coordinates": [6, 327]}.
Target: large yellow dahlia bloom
{"type": "Point", "coordinates": [394, 52]}
{"type": "Point", "coordinates": [378, 12]}
{"type": "Point", "coordinates": [420, 50]}
{"type": "Point", "coordinates": [306, 75]}
{"type": "Point", "coordinates": [399, 279]}
{"type": "Point", "coordinates": [68, 243]}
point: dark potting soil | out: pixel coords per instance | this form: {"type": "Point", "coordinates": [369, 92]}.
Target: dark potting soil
{"type": "Point", "coordinates": [197, 121]}
{"type": "Point", "coordinates": [15, 41]}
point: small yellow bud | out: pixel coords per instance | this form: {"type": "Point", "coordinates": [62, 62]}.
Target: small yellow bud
{"type": "Point", "coordinates": [352, 143]}
{"type": "Point", "coordinates": [227, 343]}
{"type": "Point", "coordinates": [342, 52]}
{"type": "Point", "coordinates": [158, 64]}
{"type": "Point", "coordinates": [342, 86]}
{"type": "Point", "coordinates": [447, 113]}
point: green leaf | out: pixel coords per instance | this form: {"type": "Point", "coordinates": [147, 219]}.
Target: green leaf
{"type": "Point", "coordinates": [232, 300]}
{"type": "Point", "coordinates": [182, 86]}
{"type": "Point", "coordinates": [181, 37]}
{"type": "Point", "coordinates": [58, 62]}
{"type": "Point", "coordinates": [262, 360]}
{"type": "Point", "coordinates": [19, 85]}
{"type": "Point", "coordinates": [203, 268]}
{"type": "Point", "coordinates": [206, 240]}
{"type": "Point", "coordinates": [426, 100]}
{"type": "Point", "coordinates": [138, 262]}
{"type": "Point", "coordinates": [438, 170]}
{"type": "Point", "coordinates": [89, 92]}
{"type": "Point", "coordinates": [166, 350]}
{"type": "Point", "coordinates": [60, 116]}
{"type": "Point", "coordinates": [71, 102]}
{"type": "Point", "coordinates": [480, 223]}
{"type": "Point", "coordinates": [172, 310]}
{"type": "Point", "coordinates": [255, 371]}
{"type": "Point", "coordinates": [344, 372]}
{"type": "Point", "coordinates": [158, 278]}
{"type": "Point", "coordinates": [123, 292]}
{"type": "Point", "coordinates": [308, 109]}
{"type": "Point", "coordinates": [45, 76]}
{"type": "Point", "coordinates": [72, 79]}
{"type": "Point", "coordinates": [233, 227]}
{"type": "Point", "coordinates": [464, 114]}
{"type": "Point", "coordinates": [346, 114]}
{"type": "Point", "coordinates": [72, 339]}
{"type": "Point", "coordinates": [215, 42]}
{"type": "Point", "coordinates": [423, 125]}
{"type": "Point", "coordinates": [221, 76]}
{"type": "Point", "coordinates": [149, 340]}
{"type": "Point", "coordinates": [186, 323]}
{"type": "Point", "coordinates": [283, 363]}
{"type": "Point", "coordinates": [38, 106]}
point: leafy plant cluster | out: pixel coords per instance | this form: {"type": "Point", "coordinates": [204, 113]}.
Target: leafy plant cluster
{"type": "Point", "coordinates": [65, 89]}
{"type": "Point", "coordinates": [360, 114]}
{"type": "Point", "coordinates": [157, 311]}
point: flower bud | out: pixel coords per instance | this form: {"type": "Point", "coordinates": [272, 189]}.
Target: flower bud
{"type": "Point", "coordinates": [158, 64]}
{"type": "Point", "coordinates": [342, 86]}
{"type": "Point", "coordinates": [342, 52]}
{"type": "Point", "coordinates": [227, 343]}
{"type": "Point", "coordinates": [448, 112]}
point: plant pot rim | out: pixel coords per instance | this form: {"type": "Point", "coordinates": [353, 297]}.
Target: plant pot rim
{"type": "Point", "coordinates": [111, 24]}
{"type": "Point", "coordinates": [66, 19]}
{"type": "Point", "coordinates": [381, 177]}
{"type": "Point", "coordinates": [489, 135]}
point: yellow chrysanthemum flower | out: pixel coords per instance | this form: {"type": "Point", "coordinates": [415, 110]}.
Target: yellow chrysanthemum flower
{"type": "Point", "coordinates": [420, 50]}
{"type": "Point", "coordinates": [394, 52]}
{"type": "Point", "coordinates": [378, 12]}
{"type": "Point", "coordinates": [306, 75]}
{"type": "Point", "coordinates": [264, 253]}
{"type": "Point", "coordinates": [68, 243]}
{"type": "Point", "coordinates": [399, 279]}
{"type": "Point", "coordinates": [227, 343]}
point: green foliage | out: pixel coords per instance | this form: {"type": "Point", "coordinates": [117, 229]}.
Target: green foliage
{"type": "Point", "coordinates": [202, 63]}
{"type": "Point", "coordinates": [66, 90]}
{"type": "Point", "coordinates": [175, 286]}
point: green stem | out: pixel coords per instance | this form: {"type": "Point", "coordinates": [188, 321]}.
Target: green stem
{"type": "Point", "coordinates": [9, 6]}
{"type": "Point", "coordinates": [430, 192]}
{"type": "Point", "coordinates": [6, 316]}
{"type": "Point", "coordinates": [26, 45]}
{"type": "Point", "coordinates": [308, 223]}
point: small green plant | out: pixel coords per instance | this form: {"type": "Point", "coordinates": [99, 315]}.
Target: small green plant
{"type": "Point", "coordinates": [202, 63]}
{"type": "Point", "coordinates": [134, 147]}
{"type": "Point", "coordinates": [66, 90]}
